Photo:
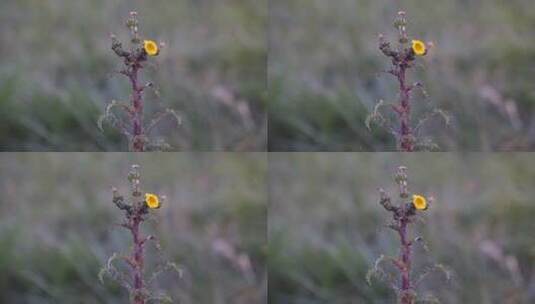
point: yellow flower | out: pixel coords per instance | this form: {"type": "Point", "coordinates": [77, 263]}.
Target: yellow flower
{"type": "Point", "coordinates": [151, 47]}
{"type": "Point", "coordinates": [419, 202]}
{"type": "Point", "coordinates": [152, 200]}
{"type": "Point", "coordinates": [418, 47]}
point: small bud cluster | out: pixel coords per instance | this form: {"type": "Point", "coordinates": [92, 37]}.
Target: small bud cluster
{"type": "Point", "coordinates": [139, 206]}
{"type": "Point", "coordinates": [406, 210]}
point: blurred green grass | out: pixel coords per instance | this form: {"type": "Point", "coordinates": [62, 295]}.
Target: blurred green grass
{"type": "Point", "coordinates": [326, 227]}
{"type": "Point", "coordinates": [56, 72]}
{"type": "Point", "coordinates": [324, 67]}
{"type": "Point", "coordinates": [56, 225]}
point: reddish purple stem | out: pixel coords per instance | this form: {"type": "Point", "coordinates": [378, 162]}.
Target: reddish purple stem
{"type": "Point", "coordinates": [401, 61]}
{"type": "Point", "coordinates": [138, 144]}
{"type": "Point", "coordinates": [402, 216]}
{"type": "Point", "coordinates": [132, 61]}
{"type": "Point", "coordinates": [405, 266]}
{"type": "Point", "coordinates": [406, 141]}
{"type": "Point", "coordinates": [138, 258]}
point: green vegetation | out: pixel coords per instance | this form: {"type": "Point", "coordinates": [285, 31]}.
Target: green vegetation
{"type": "Point", "coordinates": [326, 227]}
{"type": "Point", "coordinates": [57, 70]}
{"type": "Point", "coordinates": [324, 73]}
{"type": "Point", "coordinates": [57, 226]}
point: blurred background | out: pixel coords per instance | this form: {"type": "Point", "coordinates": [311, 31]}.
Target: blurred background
{"type": "Point", "coordinates": [326, 227]}
{"type": "Point", "coordinates": [56, 74]}
{"type": "Point", "coordinates": [324, 73]}
{"type": "Point", "coordinates": [57, 226]}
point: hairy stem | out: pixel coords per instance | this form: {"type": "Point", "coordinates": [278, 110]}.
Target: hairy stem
{"type": "Point", "coordinates": [405, 142]}
{"type": "Point", "coordinates": [405, 257]}
{"type": "Point", "coordinates": [138, 258]}
{"type": "Point", "coordinates": [138, 144]}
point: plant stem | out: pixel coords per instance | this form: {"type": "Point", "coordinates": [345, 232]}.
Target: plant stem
{"type": "Point", "coordinates": [406, 142]}
{"type": "Point", "coordinates": [137, 257]}
{"type": "Point", "coordinates": [138, 144]}
{"type": "Point", "coordinates": [405, 257]}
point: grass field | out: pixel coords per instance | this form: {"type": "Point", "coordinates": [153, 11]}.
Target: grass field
{"type": "Point", "coordinates": [324, 73]}
{"type": "Point", "coordinates": [57, 226]}
{"type": "Point", "coordinates": [326, 227]}
{"type": "Point", "coordinates": [56, 73]}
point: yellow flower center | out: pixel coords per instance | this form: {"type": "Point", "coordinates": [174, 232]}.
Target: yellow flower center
{"type": "Point", "coordinates": [419, 202]}
{"type": "Point", "coordinates": [418, 47]}
{"type": "Point", "coordinates": [151, 47]}
{"type": "Point", "coordinates": [152, 200]}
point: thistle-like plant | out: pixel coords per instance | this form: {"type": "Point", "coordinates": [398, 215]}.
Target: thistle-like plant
{"type": "Point", "coordinates": [136, 211]}
{"type": "Point", "coordinates": [131, 121]}
{"type": "Point", "coordinates": [403, 58]}
{"type": "Point", "coordinates": [404, 213]}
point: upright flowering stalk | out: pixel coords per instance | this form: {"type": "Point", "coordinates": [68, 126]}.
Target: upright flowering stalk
{"type": "Point", "coordinates": [403, 214]}
{"type": "Point", "coordinates": [136, 211]}
{"type": "Point", "coordinates": [403, 59]}
{"type": "Point", "coordinates": [132, 125]}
